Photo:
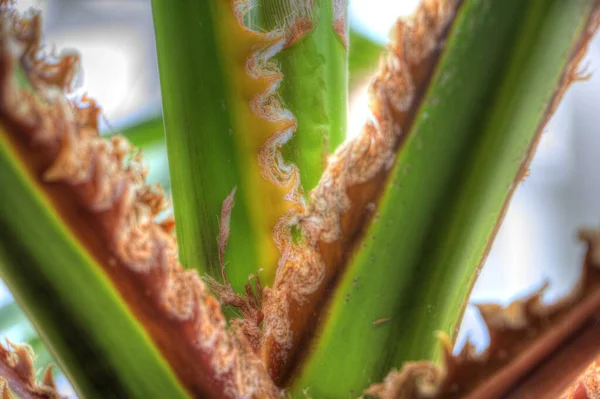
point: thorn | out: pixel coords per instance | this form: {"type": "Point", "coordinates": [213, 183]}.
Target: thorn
{"type": "Point", "coordinates": [24, 365]}
{"type": "Point", "coordinates": [4, 392]}
{"type": "Point", "coordinates": [526, 173]}
{"type": "Point", "coordinates": [581, 75]}
{"type": "Point", "coordinates": [48, 378]}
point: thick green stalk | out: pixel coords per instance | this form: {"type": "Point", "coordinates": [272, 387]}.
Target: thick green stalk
{"type": "Point", "coordinates": [315, 84]}
{"type": "Point", "coordinates": [363, 55]}
{"type": "Point", "coordinates": [476, 126]}
{"type": "Point", "coordinates": [228, 120]}
{"type": "Point", "coordinates": [148, 135]}
{"type": "Point", "coordinates": [95, 338]}
{"type": "Point", "coordinates": [202, 161]}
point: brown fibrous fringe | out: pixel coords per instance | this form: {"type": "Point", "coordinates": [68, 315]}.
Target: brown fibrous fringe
{"type": "Point", "coordinates": [523, 358]}
{"type": "Point", "coordinates": [340, 20]}
{"type": "Point", "coordinates": [268, 104]}
{"type": "Point", "coordinates": [4, 391]}
{"type": "Point", "coordinates": [250, 305]}
{"type": "Point", "coordinates": [587, 385]}
{"type": "Point", "coordinates": [351, 185]}
{"type": "Point", "coordinates": [17, 371]}
{"type": "Point", "coordinates": [103, 179]}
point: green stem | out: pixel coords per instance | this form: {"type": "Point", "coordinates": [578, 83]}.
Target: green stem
{"type": "Point", "coordinates": [476, 126]}
{"type": "Point", "coordinates": [200, 145]}
{"type": "Point", "coordinates": [97, 341]}
{"type": "Point", "coordinates": [315, 89]}
{"type": "Point", "coordinates": [215, 136]}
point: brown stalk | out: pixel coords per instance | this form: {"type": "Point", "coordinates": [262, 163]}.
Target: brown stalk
{"type": "Point", "coordinates": [96, 186]}
{"type": "Point", "coordinates": [18, 372]}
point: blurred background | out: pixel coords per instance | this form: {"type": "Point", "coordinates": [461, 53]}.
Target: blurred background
{"type": "Point", "coordinates": [537, 242]}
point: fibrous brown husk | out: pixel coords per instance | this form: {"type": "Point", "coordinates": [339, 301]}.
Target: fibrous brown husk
{"type": "Point", "coordinates": [587, 385]}
{"type": "Point", "coordinates": [17, 371]}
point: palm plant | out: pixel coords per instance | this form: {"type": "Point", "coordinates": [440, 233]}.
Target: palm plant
{"type": "Point", "coordinates": [305, 265]}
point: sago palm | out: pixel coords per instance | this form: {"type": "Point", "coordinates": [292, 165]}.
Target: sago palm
{"type": "Point", "coordinates": [305, 265]}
